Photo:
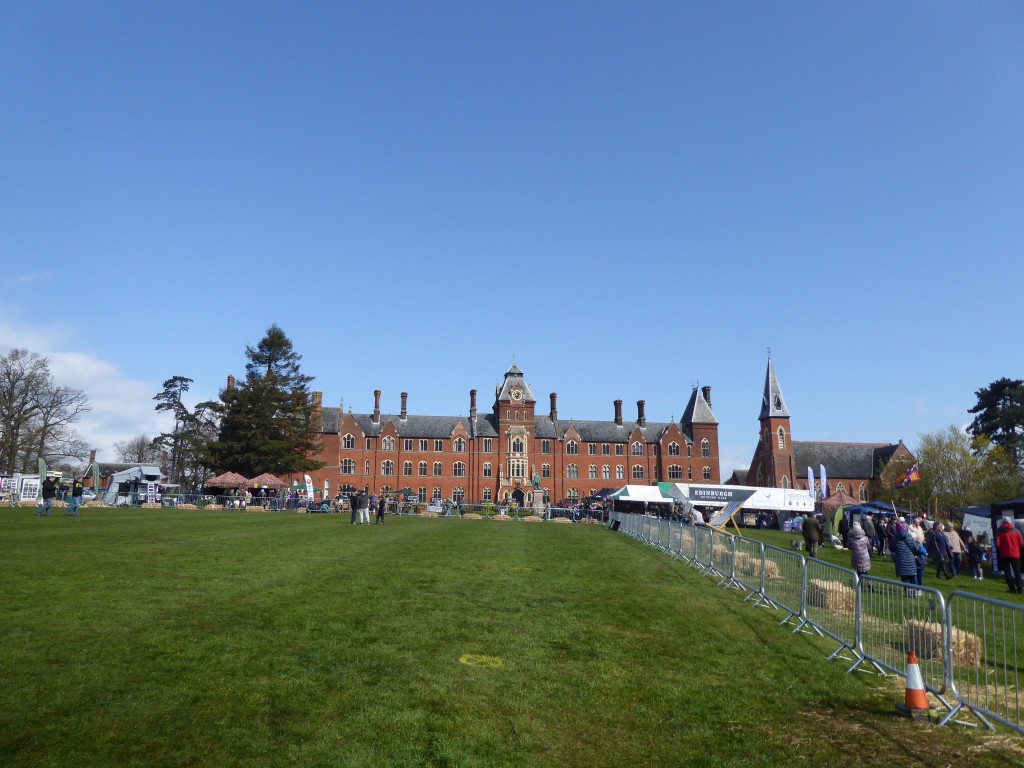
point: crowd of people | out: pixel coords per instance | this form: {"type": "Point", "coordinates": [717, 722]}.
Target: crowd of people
{"type": "Point", "coordinates": [913, 544]}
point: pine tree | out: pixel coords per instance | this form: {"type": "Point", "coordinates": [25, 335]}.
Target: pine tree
{"type": "Point", "coordinates": [265, 421]}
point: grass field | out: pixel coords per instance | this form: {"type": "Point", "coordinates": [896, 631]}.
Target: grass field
{"type": "Point", "coordinates": [174, 638]}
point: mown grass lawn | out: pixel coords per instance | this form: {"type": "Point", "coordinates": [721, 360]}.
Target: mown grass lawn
{"type": "Point", "coordinates": [174, 638]}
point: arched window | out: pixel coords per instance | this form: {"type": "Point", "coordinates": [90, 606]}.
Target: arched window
{"type": "Point", "coordinates": [606, 472]}
{"type": "Point", "coordinates": [689, 473]}
{"type": "Point", "coordinates": [638, 471]}
{"type": "Point", "coordinates": [785, 482]}
{"type": "Point", "coordinates": [572, 471]}
{"type": "Point", "coordinates": [637, 449]}
{"type": "Point", "coordinates": [573, 495]}
{"type": "Point", "coordinates": [705, 448]}
{"type": "Point", "coordinates": [387, 490]}
{"type": "Point", "coordinates": [459, 495]}
{"type": "Point", "coordinates": [547, 495]}
{"type": "Point", "coordinates": [572, 448]}
{"type": "Point", "coordinates": [841, 488]}
{"type": "Point", "coordinates": [459, 470]}
{"type": "Point", "coordinates": [487, 494]}
{"type": "Point", "coordinates": [387, 444]}
{"type": "Point", "coordinates": [348, 466]}
{"type": "Point", "coordinates": [436, 492]}
{"type": "Point", "coordinates": [488, 470]}
{"type": "Point", "coordinates": [517, 445]}
{"type": "Point", "coordinates": [782, 439]}
{"type": "Point", "coordinates": [545, 470]}
{"type": "Point", "coordinates": [592, 472]}
{"type": "Point", "coordinates": [673, 449]}
{"type": "Point", "coordinates": [423, 469]}
{"type": "Point", "coordinates": [407, 468]}
{"type": "Point", "coordinates": [387, 468]}
{"type": "Point", "coordinates": [366, 469]}
{"type": "Point", "coordinates": [675, 472]}
{"type": "Point", "coordinates": [707, 473]}
{"type": "Point", "coordinates": [862, 492]}
{"type": "Point", "coordinates": [460, 445]}
{"type": "Point", "coordinates": [437, 469]}
{"type": "Point", "coordinates": [689, 450]}
{"type": "Point", "coordinates": [620, 473]}
{"type": "Point", "coordinates": [348, 442]}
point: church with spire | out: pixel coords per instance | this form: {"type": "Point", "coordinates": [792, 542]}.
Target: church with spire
{"type": "Point", "coordinates": [781, 462]}
{"type": "Point", "coordinates": [510, 453]}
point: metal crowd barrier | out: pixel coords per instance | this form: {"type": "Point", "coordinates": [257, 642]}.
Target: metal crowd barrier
{"type": "Point", "coordinates": [970, 649]}
{"type": "Point", "coordinates": [985, 640]}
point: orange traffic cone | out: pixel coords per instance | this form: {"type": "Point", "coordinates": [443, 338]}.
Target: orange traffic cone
{"type": "Point", "coordinates": [915, 702]}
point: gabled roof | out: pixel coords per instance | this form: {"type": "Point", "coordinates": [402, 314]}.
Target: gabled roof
{"type": "Point", "coordinates": [772, 402]}
{"type": "Point", "coordinates": [843, 460]}
{"type": "Point", "coordinates": [513, 380]}
{"type": "Point", "coordinates": [697, 410]}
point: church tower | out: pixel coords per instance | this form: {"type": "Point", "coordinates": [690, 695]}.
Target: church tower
{"type": "Point", "coordinates": [772, 465]}
{"type": "Point", "coordinates": [514, 406]}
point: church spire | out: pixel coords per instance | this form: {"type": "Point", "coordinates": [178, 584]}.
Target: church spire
{"type": "Point", "coordinates": [772, 403]}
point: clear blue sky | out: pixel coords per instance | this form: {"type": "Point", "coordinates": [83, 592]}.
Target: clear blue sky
{"type": "Point", "coordinates": [631, 198]}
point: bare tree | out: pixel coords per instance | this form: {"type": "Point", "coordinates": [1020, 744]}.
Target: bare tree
{"type": "Point", "coordinates": [36, 414]}
{"type": "Point", "coordinates": [137, 450]}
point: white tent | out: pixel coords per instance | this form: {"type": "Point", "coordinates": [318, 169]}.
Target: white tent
{"type": "Point", "coordinates": [132, 486]}
{"type": "Point", "coordinates": [640, 493]}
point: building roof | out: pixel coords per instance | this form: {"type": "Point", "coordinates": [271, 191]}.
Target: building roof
{"type": "Point", "coordinates": [513, 380]}
{"type": "Point", "coordinates": [772, 402]}
{"type": "Point", "coordinates": [697, 410]}
{"type": "Point", "coordinates": [843, 460]}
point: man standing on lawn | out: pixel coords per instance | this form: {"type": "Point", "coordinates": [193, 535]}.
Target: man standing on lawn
{"type": "Point", "coordinates": [812, 534]}
{"type": "Point", "coordinates": [1008, 546]}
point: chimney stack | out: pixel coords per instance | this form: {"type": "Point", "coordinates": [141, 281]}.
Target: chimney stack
{"type": "Point", "coordinates": [706, 391]}
{"type": "Point", "coordinates": [472, 405]}
{"type": "Point", "coordinates": [376, 406]}
{"type": "Point", "coordinates": [554, 406]}
{"type": "Point", "coordinates": [316, 416]}
{"type": "Point", "coordinates": [640, 418]}
{"type": "Point", "coordinates": [618, 412]}
{"type": "Point", "coordinates": [318, 399]}
{"type": "Point", "coordinates": [231, 382]}
{"type": "Point", "coordinates": [405, 404]}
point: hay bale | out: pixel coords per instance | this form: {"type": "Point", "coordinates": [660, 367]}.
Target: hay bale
{"type": "Point", "coordinates": [591, 521]}
{"type": "Point", "coordinates": [531, 519]}
{"type": "Point", "coordinates": [831, 595]}
{"type": "Point", "coordinates": [924, 638]}
{"type": "Point", "coordinates": [471, 516]}
{"type": "Point", "coordinates": [502, 517]}
{"type": "Point", "coordinates": [187, 506]}
{"type": "Point", "coordinates": [561, 520]}
{"type": "Point", "coordinates": [213, 507]}
{"type": "Point", "coordinates": [151, 505]}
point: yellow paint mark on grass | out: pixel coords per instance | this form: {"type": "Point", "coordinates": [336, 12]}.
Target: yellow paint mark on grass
{"type": "Point", "coordinates": [476, 660]}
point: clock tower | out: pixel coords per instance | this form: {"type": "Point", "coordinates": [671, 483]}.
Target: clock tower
{"type": "Point", "coordinates": [514, 405]}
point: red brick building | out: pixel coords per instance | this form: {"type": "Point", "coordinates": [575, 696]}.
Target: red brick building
{"type": "Point", "coordinates": [781, 462]}
{"type": "Point", "coordinates": [498, 455]}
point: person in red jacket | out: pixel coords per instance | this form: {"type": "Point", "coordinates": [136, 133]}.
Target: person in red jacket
{"type": "Point", "coordinates": [1008, 546]}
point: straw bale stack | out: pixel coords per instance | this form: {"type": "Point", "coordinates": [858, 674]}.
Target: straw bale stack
{"type": "Point", "coordinates": [213, 507]}
{"type": "Point", "coordinates": [925, 639]}
{"type": "Point", "coordinates": [151, 505]}
{"type": "Point", "coordinates": [471, 516]}
{"type": "Point", "coordinates": [591, 521]}
{"type": "Point", "coordinates": [561, 520]}
{"type": "Point", "coordinates": [747, 563]}
{"type": "Point", "coordinates": [502, 518]}
{"type": "Point", "coordinates": [531, 519]}
{"type": "Point", "coordinates": [187, 506]}
{"type": "Point", "coordinates": [831, 595]}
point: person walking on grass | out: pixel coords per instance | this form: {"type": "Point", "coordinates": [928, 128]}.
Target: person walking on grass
{"type": "Point", "coordinates": [974, 556]}
{"type": "Point", "coordinates": [860, 550]}
{"type": "Point", "coordinates": [364, 507]}
{"type": "Point", "coordinates": [811, 529]}
{"type": "Point", "coordinates": [956, 548]}
{"type": "Point", "coordinates": [904, 556]}
{"type": "Point", "coordinates": [1008, 547]}
{"type": "Point", "coordinates": [49, 492]}
{"type": "Point", "coordinates": [77, 488]}
{"type": "Point", "coordinates": [940, 551]}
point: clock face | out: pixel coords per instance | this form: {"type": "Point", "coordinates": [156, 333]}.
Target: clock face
{"type": "Point", "coordinates": [517, 394]}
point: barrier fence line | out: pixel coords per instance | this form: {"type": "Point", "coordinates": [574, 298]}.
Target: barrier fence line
{"type": "Point", "coordinates": [986, 644]}
{"type": "Point", "coordinates": [970, 649]}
